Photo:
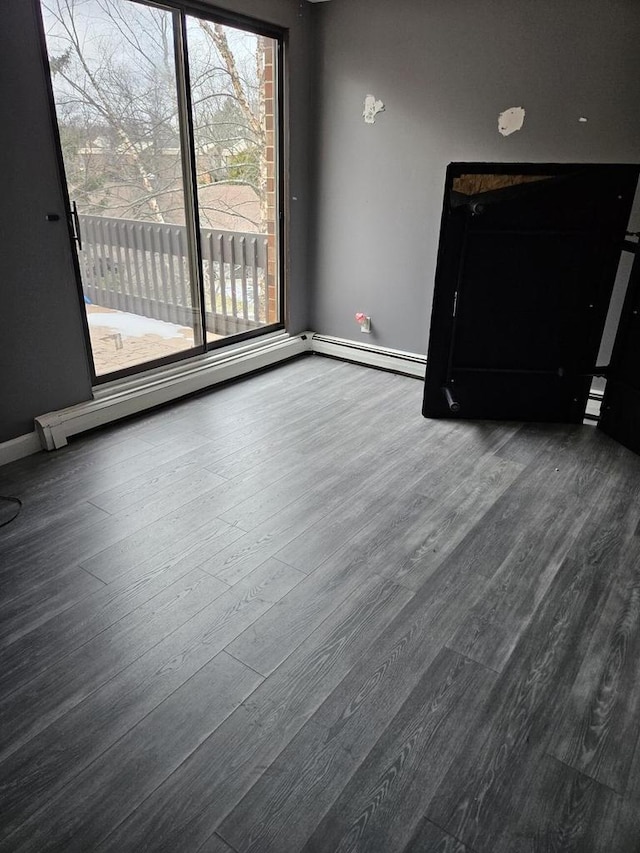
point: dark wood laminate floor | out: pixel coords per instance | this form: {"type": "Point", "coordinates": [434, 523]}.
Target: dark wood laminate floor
{"type": "Point", "coordinates": [292, 615]}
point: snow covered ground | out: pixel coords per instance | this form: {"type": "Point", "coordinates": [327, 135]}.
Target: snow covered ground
{"type": "Point", "coordinates": [133, 326]}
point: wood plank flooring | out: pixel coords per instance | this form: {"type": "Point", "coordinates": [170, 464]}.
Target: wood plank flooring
{"type": "Point", "coordinates": [291, 615]}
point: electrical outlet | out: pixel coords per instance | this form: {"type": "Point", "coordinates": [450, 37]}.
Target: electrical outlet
{"type": "Point", "coordinates": [364, 322]}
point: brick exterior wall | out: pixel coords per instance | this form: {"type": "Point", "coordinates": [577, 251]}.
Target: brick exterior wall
{"type": "Point", "coordinates": [271, 179]}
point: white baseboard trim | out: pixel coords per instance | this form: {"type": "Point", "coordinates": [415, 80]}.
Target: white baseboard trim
{"type": "Point", "coordinates": [17, 448]}
{"type": "Point", "coordinates": [128, 397]}
{"type": "Point", "coordinates": [398, 361]}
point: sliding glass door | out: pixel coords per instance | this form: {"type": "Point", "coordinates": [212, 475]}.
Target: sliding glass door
{"type": "Point", "coordinates": [234, 129]}
{"type": "Point", "coordinates": [168, 127]}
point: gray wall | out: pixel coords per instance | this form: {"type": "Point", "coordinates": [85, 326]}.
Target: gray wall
{"type": "Point", "coordinates": [445, 69]}
{"type": "Point", "coordinates": [44, 365]}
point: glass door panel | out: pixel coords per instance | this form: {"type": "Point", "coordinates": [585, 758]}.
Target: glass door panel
{"type": "Point", "coordinates": [234, 115]}
{"type": "Point", "coordinates": [117, 105]}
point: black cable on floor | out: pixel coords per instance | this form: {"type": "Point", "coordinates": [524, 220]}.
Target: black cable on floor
{"type": "Point", "coordinates": [17, 513]}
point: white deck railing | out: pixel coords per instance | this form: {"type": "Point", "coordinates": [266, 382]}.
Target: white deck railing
{"type": "Point", "coordinates": [143, 268]}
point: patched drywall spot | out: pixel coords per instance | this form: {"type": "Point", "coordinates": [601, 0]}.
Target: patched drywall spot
{"type": "Point", "coordinates": [583, 119]}
{"type": "Point", "coordinates": [511, 120]}
{"type": "Point", "coordinates": [371, 108]}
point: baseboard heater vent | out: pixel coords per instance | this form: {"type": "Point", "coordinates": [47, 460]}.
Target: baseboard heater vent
{"type": "Point", "coordinates": [397, 361]}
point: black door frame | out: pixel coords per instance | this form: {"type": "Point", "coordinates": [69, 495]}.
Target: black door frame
{"type": "Point", "coordinates": [224, 17]}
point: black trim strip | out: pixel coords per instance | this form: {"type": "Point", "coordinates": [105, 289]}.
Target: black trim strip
{"type": "Point", "coordinates": [64, 187]}
{"type": "Point", "coordinates": [220, 16]}
{"type": "Point", "coordinates": [190, 174]}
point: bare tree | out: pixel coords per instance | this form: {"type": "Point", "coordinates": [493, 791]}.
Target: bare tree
{"type": "Point", "coordinates": [113, 71]}
{"type": "Point", "coordinates": [244, 98]}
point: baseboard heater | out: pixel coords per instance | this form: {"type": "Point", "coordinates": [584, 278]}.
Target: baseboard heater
{"type": "Point", "coordinates": [397, 361]}
{"type": "Point", "coordinates": [122, 399]}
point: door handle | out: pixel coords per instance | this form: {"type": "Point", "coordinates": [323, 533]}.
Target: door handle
{"type": "Point", "coordinates": [76, 226]}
